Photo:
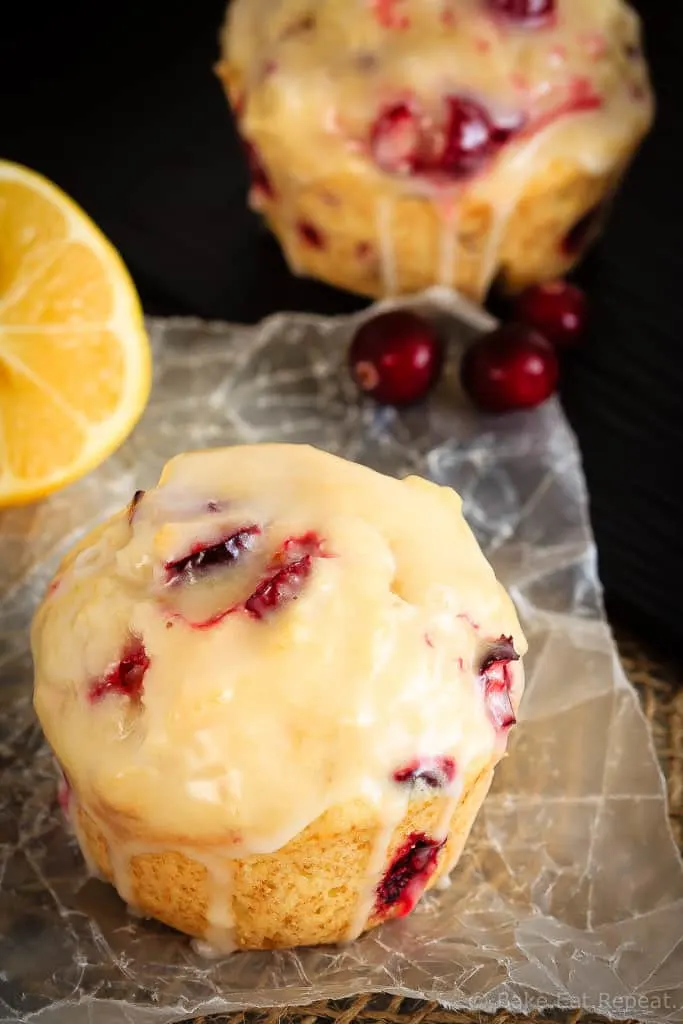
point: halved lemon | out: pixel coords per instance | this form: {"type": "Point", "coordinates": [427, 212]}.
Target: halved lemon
{"type": "Point", "coordinates": [75, 364]}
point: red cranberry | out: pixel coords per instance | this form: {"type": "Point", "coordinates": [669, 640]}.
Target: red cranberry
{"type": "Point", "coordinates": [528, 12]}
{"type": "Point", "coordinates": [259, 177]}
{"type": "Point", "coordinates": [497, 678]}
{"type": "Point", "coordinates": [410, 870]}
{"type": "Point", "coordinates": [513, 367]}
{"type": "Point", "coordinates": [557, 310]}
{"type": "Point", "coordinates": [285, 585]}
{"type": "Point", "coordinates": [396, 139]}
{"type": "Point", "coordinates": [310, 235]}
{"type": "Point", "coordinates": [387, 14]}
{"type": "Point", "coordinates": [289, 572]}
{"type": "Point", "coordinates": [431, 772]}
{"type": "Point", "coordinates": [203, 558]}
{"type": "Point", "coordinates": [468, 138]}
{"type": "Point", "coordinates": [396, 357]}
{"type": "Point", "coordinates": [126, 677]}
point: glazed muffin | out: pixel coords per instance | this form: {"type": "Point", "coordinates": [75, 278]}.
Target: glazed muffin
{"type": "Point", "coordinates": [278, 685]}
{"type": "Point", "coordinates": [399, 144]}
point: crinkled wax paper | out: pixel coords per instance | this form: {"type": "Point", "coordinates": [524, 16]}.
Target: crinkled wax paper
{"type": "Point", "coordinates": [570, 892]}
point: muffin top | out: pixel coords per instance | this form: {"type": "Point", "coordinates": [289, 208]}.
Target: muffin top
{"type": "Point", "coordinates": [268, 633]}
{"type": "Point", "coordinates": [436, 93]}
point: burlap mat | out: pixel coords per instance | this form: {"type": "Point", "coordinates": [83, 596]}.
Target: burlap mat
{"type": "Point", "coordinates": [660, 686]}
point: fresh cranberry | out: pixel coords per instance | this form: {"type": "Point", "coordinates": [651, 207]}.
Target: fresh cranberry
{"type": "Point", "coordinates": [556, 310]}
{"type": "Point", "coordinates": [512, 367]}
{"type": "Point", "coordinates": [396, 139]}
{"type": "Point", "coordinates": [136, 499]}
{"type": "Point", "coordinates": [289, 571]}
{"type": "Point", "coordinates": [410, 870]}
{"type": "Point", "coordinates": [468, 137]}
{"type": "Point", "coordinates": [126, 677]}
{"type": "Point", "coordinates": [583, 232]}
{"type": "Point", "coordinates": [203, 559]}
{"type": "Point", "coordinates": [259, 177]}
{"type": "Point", "coordinates": [311, 235]}
{"type": "Point", "coordinates": [396, 357]}
{"type": "Point", "coordinates": [528, 12]}
{"type": "Point", "coordinates": [496, 676]}
{"type": "Point", "coordinates": [432, 772]}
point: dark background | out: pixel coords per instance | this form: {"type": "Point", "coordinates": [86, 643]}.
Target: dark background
{"type": "Point", "coordinates": [118, 104]}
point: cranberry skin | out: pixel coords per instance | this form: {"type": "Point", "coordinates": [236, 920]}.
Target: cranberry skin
{"type": "Point", "coordinates": [289, 572]}
{"type": "Point", "coordinates": [310, 235]}
{"type": "Point", "coordinates": [126, 677]}
{"type": "Point", "coordinates": [203, 559]}
{"type": "Point", "coordinates": [404, 882]}
{"type": "Point", "coordinates": [527, 12]}
{"type": "Point", "coordinates": [557, 310]}
{"type": "Point", "coordinates": [428, 772]}
{"type": "Point", "coordinates": [284, 586]}
{"type": "Point", "coordinates": [259, 176]}
{"type": "Point", "coordinates": [396, 139]}
{"type": "Point", "coordinates": [396, 358]}
{"type": "Point", "coordinates": [468, 138]}
{"type": "Point", "coordinates": [497, 681]}
{"type": "Point", "coordinates": [513, 367]}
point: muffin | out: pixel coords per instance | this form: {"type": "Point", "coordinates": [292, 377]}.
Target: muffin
{"type": "Point", "coordinates": [277, 685]}
{"type": "Point", "coordinates": [399, 144]}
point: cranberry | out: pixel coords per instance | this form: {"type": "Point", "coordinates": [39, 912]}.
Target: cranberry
{"type": "Point", "coordinates": [310, 234]}
{"type": "Point", "coordinates": [388, 16]}
{"type": "Point", "coordinates": [203, 559]}
{"type": "Point", "coordinates": [557, 310]}
{"type": "Point", "coordinates": [396, 139]}
{"type": "Point", "coordinates": [290, 569]}
{"type": "Point", "coordinates": [496, 676]}
{"type": "Point", "coordinates": [468, 138]}
{"type": "Point", "coordinates": [528, 12]}
{"type": "Point", "coordinates": [432, 772]}
{"type": "Point", "coordinates": [285, 585]}
{"type": "Point", "coordinates": [396, 357]}
{"type": "Point", "coordinates": [126, 677]}
{"type": "Point", "coordinates": [512, 367]}
{"type": "Point", "coordinates": [137, 498]}
{"type": "Point", "coordinates": [583, 232]}
{"type": "Point", "coordinates": [259, 177]}
{"type": "Point", "coordinates": [413, 865]}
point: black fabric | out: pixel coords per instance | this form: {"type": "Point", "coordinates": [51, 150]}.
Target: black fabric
{"type": "Point", "coordinates": [119, 105]}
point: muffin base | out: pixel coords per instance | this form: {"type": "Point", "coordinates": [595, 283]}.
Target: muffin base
{"type": "Point", "coordinates": [318, 889]}
{"type": "Point", "coordinates": [365, 232]}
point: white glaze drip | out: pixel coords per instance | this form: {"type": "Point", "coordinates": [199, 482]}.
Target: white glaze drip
{"type": "Point", "coordinates": [448, 243]}
{"type": "Point", "coordinates": [393, 812]}
{"type": "Point", "coordinates": [387, 252]}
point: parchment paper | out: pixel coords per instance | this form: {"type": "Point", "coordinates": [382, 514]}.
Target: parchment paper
{"type": "Point", "coordinates": [570, 892]}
